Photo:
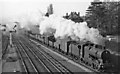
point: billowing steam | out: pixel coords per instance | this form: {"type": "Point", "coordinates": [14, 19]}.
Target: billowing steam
{"type": "Point", "coordinates": [27, 19]}
{"type": "Point", "coordinates": [61, 28]}
{"type": "Point", "coordinates": [54, 25]}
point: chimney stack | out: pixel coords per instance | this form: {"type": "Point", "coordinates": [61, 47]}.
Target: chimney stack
{"type": "Point", "coordinates": [66, 14]}
{"type": "Point", "coordinates": [79, 13]}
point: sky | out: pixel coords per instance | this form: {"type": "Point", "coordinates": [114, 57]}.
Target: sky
{"type": "Point", "coordinates": [60, 7]}
{"type": "Point", "coordinates": [14, 8]}
{"type": "Point", "coordinates": [8, 7]}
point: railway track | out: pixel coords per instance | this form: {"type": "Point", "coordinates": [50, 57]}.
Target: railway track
{"type": "Point", "coordinates": [53, 61]}
{"type": "Point", "coordinates": [30, 62]}
{"type": "Point", "coordinates": [37, 60]}
{"type": "Point", "coordinates": [26, 62]}
{"type": "Point", "coordinates": [73, 59]}
{"type": "Point", "coordinates": [70, 57]}
{"type": "Point", "coordinates": [35, 41]}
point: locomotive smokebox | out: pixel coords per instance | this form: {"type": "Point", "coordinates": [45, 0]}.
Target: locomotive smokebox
{"type": "Point", "coordinates": [99, 52]}
{"type": "Point", "coordinates": [105, 55]}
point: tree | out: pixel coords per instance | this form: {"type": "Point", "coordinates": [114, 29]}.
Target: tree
{"type": "Point", "coordinates": [95, 13]}
{"type": "Point", "coordinates": [104, 16]}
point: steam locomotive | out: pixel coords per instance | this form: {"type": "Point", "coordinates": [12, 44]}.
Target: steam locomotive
{"type": "Point", "coordinates": [92, 55]}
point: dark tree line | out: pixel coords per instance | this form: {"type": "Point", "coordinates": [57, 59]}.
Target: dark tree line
{"type": "Point", "coordinates": [104, 16]}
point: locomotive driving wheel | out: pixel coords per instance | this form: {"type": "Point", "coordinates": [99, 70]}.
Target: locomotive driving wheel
{"type": "Point", "coordinates": [93, 66]}
{"type": "Point", "coordinates": [96, 67]}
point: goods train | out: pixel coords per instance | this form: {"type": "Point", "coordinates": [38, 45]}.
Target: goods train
{"type": "Point", "coordinates": [92, 55]}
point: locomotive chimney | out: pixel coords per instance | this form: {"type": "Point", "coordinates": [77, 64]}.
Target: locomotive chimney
{"type": "Point", "coordinates": [79, 13]}
{"type": "Point", "coordinates": [66, 14]}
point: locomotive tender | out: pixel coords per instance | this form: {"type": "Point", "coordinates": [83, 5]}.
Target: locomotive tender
{"type": "Point", "coordinates": [92, 55]}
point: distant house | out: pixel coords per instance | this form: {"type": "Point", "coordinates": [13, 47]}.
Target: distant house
{"type": "Point", "coordinates": [74, 17]}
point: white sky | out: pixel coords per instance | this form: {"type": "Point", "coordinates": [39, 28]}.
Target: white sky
{"type": "Point", "coordinates": [60, 6]}
{"type": "Point", "coordinates": [14, 8]}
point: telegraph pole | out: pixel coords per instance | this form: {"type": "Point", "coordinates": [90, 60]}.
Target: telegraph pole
{"type": "Point", "coordinates": [11, 31]}
{"type": "Point", "coordinates": [10, 38]}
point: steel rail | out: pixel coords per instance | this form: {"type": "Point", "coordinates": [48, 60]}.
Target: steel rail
{"type": "Point", "coordinates": [22, 61]}
{"type": "Point", "coordinates": [54, 62]}
{"type": "Point", "coordinates": [92, 70]}
{"type": "Point", "coordinates": [48, 61]}
{"type": "Point", "coordinates": [31, 62]}
{"type": "Point", "coordinates": [46, 68]}
{"type": "Point", "coordinates": [38, 59]}
{"type": "Point", "coordinates": [20, 55]}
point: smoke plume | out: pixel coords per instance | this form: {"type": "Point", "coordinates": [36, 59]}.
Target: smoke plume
{"type": "Point", "coordinates": [28, 18]}
{"type": "Point", "coordinates": [62, 28]}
